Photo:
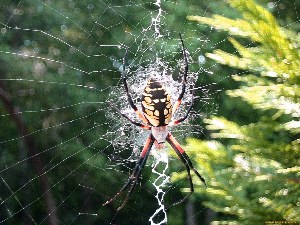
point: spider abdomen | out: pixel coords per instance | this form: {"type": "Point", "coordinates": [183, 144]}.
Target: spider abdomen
{"type": "Point", "coordinates": [156, 104]}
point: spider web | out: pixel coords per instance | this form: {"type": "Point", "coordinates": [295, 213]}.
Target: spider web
{"type": "Point", "coordinates": [65, 150]}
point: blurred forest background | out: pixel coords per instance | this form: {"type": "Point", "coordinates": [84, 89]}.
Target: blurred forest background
{"type": "Point", "coordinates": [57, 67]}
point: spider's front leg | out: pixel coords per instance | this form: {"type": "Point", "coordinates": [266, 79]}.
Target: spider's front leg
{"type": "Point", "coordinates": [130, 120]}
{"type": "Point", "coordinates": [133, 106]}
{"type": "Point", "coordinates": [186, 69]}
{"type": "Point", "coordinates": [133, 179]}
{"type": "Point", "coordinates": [175, 122]}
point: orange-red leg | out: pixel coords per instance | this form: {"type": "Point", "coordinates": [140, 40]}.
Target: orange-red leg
{"type": "Point", "coordinates": [187, 163]}
{"type": "Point", "coordinates": [133, 179]}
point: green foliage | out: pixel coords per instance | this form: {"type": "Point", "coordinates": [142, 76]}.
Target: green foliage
{"type": "Point", "coordinates": [255, 179]}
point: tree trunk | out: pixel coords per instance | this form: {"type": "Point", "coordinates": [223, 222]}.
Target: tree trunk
{"type": "Point", "coordinates": [32, 149]}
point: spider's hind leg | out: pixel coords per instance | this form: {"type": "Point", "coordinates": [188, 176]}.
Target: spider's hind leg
{"type": "Point", "coordinates": [187, 158]}
{"type": "Point", "coordinates": [134, 178]}
{"type": "Point", "coordinates": [187, 163]}
{"type": "Point", "coordinates": [189, 178]}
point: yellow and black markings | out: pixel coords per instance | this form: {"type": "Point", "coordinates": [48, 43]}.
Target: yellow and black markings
{"type": "Point", "coordinates": [156, 104]}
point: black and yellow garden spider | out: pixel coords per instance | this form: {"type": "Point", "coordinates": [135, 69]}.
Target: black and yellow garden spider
{"type": "Point", "coordinates": [157, 112]}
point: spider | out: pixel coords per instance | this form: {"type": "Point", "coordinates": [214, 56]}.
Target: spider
{"type": "Point", "coordinates": [157, 112]}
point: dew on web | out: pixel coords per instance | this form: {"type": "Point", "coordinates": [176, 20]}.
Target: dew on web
{"type": "Point", "coordinates": [60, 75]}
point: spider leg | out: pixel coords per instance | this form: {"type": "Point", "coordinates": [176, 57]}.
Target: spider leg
{"type": "Point", "coordinates": [186, 68]}
{"type": "Point", "coordinates": [133, 106]}
{"type": "Point", "coordinates": [174, 122]}
{"type": "Point", "coordinates": [130, 120]}
{"type": "Point", "coordinates": [187, 162]}
{"type": "Point", "coordinates": [189, 178]}
{"type": "Point", "coordinates": [133, 179]}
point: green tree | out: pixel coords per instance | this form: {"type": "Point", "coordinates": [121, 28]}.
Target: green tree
{"type": "Point", "coordinates": [253, 169]}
